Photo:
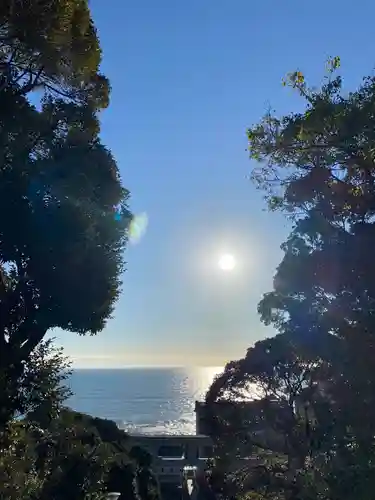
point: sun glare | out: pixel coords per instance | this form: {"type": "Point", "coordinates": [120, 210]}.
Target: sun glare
{"type": "Point", "coordinates": [227, 262]}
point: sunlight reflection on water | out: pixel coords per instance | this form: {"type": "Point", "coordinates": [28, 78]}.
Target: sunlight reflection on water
{"type": "Point", "coordinates": [143, 400]}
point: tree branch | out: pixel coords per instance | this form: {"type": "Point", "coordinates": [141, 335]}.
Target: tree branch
{"type": "Point", "coordinates": [35, 336]}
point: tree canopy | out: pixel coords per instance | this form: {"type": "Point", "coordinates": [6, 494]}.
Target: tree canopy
{"type": "Point", "coordinates": [54, 453]}
{"type": "Point", "coordinates": [51, 45]}
{"type": "Point", "coordinates": [270, 405]}
{"type": "Point", "coordinates": [63, 232]}
{"type": "Point", "coordinates": [63, 237]}
{"type": "Point", "coordinates": [316, 167]}
{"type": "Point", "coordinates": [61, 246]}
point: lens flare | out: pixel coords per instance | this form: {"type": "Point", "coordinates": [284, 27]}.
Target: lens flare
{"type": "Point", "coordinates": [137, 228]}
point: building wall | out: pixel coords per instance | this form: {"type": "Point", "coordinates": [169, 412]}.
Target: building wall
{"type": "Point", "coordinates": [172, 454]}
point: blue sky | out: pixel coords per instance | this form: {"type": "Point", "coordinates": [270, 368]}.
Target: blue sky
{"type": "Point", "coordinates": [188, 78]}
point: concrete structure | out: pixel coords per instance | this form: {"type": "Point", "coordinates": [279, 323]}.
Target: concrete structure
{"type": "Point", "coordinates": [177, 457]}
{"type": "Point", "coordinates": [174, 455]}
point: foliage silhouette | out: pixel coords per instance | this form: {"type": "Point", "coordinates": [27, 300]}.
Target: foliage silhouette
{"type": "Point", "coordinates": [61, 247]}
{"type": "Point", "coordinates": [316, 167]}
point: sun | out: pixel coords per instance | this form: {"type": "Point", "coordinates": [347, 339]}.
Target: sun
{"type": "Point", "coordinates": [227, 262]}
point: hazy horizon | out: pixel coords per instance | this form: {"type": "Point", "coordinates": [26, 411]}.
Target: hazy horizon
{"type": "Point", "coordinates": [147, 367]}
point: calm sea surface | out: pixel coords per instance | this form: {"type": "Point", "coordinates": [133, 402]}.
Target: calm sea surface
{"type": "Point", "coordinates": [151, 400]}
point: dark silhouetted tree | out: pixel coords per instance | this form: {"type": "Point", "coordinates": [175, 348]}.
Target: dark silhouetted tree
{"type": "Point", "coordinates": [61, 243]}
{"type": "Point", "coordinates": [270, 406]}
{"type": "Point", "coordinates": [318, 167]}
{"type": "Point", "coordinates": [64, 217]}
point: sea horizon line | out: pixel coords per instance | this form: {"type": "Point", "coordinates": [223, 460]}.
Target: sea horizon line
{"type": "Point", "coordinates": [145, 367]}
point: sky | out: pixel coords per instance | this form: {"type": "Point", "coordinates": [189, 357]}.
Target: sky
{"type": "Point", "coordinates": [188, 78]}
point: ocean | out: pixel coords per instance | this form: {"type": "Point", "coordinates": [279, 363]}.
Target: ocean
{"type": "Point", "coordinates": [142, 400]}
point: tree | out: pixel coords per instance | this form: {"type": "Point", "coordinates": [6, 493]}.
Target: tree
{"type": "Point", "coordinates": [42, 388]}
{"type": "Point", "coordinates": [64, 232]}
{"type": "Point", "coordinates": [54, 453]}
{"type": "Point", "coordinates": [51, 45]}
{"type": "Point", "coordinates": [317, 166]}
{"type": "Point", "coordinates": [270, 406]}
{"type": "Point", "coordinates": [66, 459]}
{"type": "Point", "coordinates": [147, 483]}
{"type": "Point", "coordinates": [37, 391]}
{"type": "Point", "coordinates": [61, 261]}
{"type": "Point", "coordinates": [46, 454]}
{"type": "Point", "coordinates": [72, 458]}
{"type": "Point", "coordinates": [18, 474]}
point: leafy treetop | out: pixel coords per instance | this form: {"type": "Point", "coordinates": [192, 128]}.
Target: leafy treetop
{"type": "Point", "coordinates": [51, 45]}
